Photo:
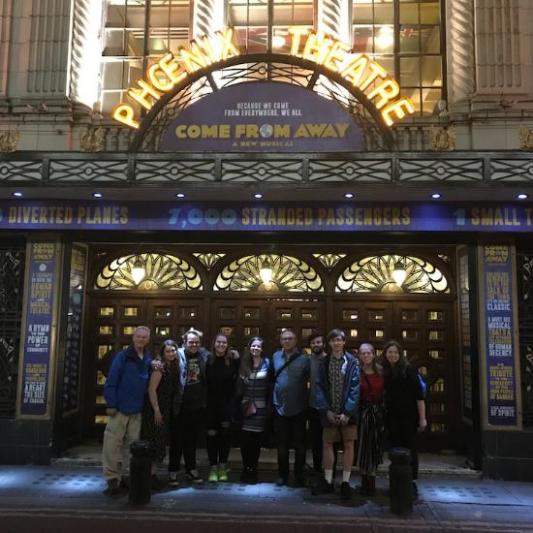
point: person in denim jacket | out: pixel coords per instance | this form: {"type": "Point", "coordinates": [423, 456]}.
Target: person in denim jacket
{"type": "Point", "coordinates": [337, 399]}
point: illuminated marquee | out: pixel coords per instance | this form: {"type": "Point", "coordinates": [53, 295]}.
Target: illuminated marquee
{"type": "Point", "coordinates": [359, 70]}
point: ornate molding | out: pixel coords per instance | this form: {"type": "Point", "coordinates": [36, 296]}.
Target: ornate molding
{"type": "Point", "coordinates": [92, 139]}
{"type": "Point", "coordinates": [526, 138]}
{"type": "Point", "coordinates": [208, 16]}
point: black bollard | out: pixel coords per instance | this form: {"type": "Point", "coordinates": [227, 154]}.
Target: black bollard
{"type": "Point", "coordinates": [400, 481]}
{"type": "Point", "coordinates": [140, 472]}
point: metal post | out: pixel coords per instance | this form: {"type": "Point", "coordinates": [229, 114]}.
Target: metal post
{"type": "Point", "coordinates": [140, 472]}
{"type": "Point", "coordinates": [400, 481]}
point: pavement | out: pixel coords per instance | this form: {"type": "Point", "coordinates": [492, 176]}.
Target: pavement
{"type": "Point", "coordinates": [67, 497]}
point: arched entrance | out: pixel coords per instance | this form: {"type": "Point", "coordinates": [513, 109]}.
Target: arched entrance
{"type": "Point", "coordinates": [228, 292]}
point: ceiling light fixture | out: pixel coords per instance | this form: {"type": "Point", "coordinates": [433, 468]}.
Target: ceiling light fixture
{"type": "Point", "coordinates": [258, 195]}
{"type": "Point", "coordinates": [349, 195]}
{"type": "Point", "coordinates": [436, 195]}
{"type": "Point", "coordinates": [399, 273]}
{"type": "Point", "coordinates": [522, 196]}
{"type": "Point", "coordinates": [97, 195]}
{"type": "Point", "coordinates": [138, 272]}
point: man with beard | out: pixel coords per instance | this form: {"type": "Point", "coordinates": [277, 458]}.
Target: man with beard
{"type": "Point", "coordinates": [318, 352]}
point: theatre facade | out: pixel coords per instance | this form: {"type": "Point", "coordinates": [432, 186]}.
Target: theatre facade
{"type": "Point", "coordinates": [248, 166]}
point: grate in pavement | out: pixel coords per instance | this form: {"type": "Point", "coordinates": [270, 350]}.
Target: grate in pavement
{"type": "Point", "coordinates": [71, 480]}
{"type": "Point", "coordinates": [459, 493]}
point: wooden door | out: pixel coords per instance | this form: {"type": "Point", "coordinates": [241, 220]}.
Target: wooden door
{"type": "Point", "coordinates": [364, 321]}
{"type": "Point", "coordinates": [112, 325]}
{"type": "Point", "coordinates": [426, 333]}
{"type": "Point", "coordinates": [241, 319]}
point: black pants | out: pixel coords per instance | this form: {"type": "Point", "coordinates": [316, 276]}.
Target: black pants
{"type": "Point", "coordinates": [404, 435]}
{"type": "Point", "coordinates": [250, 448]}
{"type": "Point", "coordinates": [218, 438]}
{"type": "Point", "coordinates": [183, 439]}
{"type": "Point", "coordinates": [291, 430]}
{"type": "Point", "coordinates": [315, 433]}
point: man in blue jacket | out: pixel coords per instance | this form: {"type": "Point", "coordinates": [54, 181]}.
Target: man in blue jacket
{"type": "Point", "coordinates": [290, 399]}
{"type": "Point", "coordinates": [124, 392]}
{"type": "Point", "coordinates": [337, 399]}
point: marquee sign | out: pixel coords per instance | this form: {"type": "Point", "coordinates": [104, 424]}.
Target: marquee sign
{"type": "Point", "coordinates": [267, 116]}
{"type": "Point", "coordinates": [361, 72]}
{"type": "Point", "coordinates": [258, 216]}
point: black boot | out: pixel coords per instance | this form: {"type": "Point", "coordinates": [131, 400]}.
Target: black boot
{"type": "Point", "coordinates": [371, 485]}
{"type": "Point", "coordinates": [364, 485]}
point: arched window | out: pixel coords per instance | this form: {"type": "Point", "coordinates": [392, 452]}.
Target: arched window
{"type": "Point", "coordinates": [286, 273]}
{"type": "Point", "coordinates": [376, 274]}
{"type": "Point", "coordinates": [161, 272]}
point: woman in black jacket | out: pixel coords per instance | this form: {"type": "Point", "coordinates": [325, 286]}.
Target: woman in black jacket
{"type": "Point", "coordinates": [405, 409]}
{"type": "Point", "coordinates": [222, 371]}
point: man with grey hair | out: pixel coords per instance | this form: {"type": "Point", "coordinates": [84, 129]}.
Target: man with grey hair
{"type": "Point", "coordinates": [124, 393]}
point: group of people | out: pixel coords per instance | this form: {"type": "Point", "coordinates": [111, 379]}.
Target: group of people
{"type": "Point", "coordinates": [336, 396]}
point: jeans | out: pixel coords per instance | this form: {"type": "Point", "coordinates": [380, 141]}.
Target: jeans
{"type": "Point", "coordinates": [291, 430]}
{"type": "Point", "coordinates": [184, 431]}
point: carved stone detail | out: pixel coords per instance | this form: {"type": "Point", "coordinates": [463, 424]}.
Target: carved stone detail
{"type": "Point", "coordinates": [9, 141]}
{"type": "Point", "coordinates": [92, 139]}
{"type": "Point", "coordinates": [443, 139]}
{"type": "Point", "coordinates": [526, 138]}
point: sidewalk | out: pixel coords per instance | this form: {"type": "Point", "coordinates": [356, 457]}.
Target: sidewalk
{"type": "Point", "coordinates": [66, 498]}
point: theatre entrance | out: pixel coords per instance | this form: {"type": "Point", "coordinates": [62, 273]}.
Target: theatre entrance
{"type": "Point", "coordinates": [216, 300]}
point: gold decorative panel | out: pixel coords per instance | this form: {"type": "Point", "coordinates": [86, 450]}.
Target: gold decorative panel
{"type": "Point", "coordinates": [329, 260]}
{"type": "Point", "coordinates": [208, 260]}
{"type": "Point", "coordinates": [166, 272]}
{"type": "Point", "coordinates": [288, 274]}
{"type": "Point", "coordinates": [374, 274]}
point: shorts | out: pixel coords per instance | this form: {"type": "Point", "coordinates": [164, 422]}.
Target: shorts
{"type": "Point", "coordinates": [339, 433]}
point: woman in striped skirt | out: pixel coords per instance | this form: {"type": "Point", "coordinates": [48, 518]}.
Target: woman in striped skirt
{"type": "Point", "coordinates": [370, 454]}
{"type": "Point", "coordinates": [253, 385]}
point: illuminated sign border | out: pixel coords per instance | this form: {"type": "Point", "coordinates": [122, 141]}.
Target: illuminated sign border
{"type": "Point", "coordinates": [364, 76]}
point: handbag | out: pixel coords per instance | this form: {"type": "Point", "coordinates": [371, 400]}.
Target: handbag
{"type": "Point", "coordinates": [248, 408]}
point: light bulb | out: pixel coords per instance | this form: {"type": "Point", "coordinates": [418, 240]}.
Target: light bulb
{"type": "Point", "coordinates": [399, 274]}
{"type": "Point", "coordinates": [138, 272]}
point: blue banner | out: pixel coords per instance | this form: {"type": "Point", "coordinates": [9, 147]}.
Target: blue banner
{"type": "Point", "coordinates": [499, 327]}
{"type": "Point", "coordinates": [263, 116]}
{"type": "Point", "coordinates": [38, 333]}
{"type": "Point", "coordinates": [261, 216]}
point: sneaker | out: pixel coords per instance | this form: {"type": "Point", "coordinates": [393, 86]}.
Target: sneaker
{"type": "Point", "coordinates": [281, 481]}
{"type": "Point", "coordinates": [173, 479]}
{"type": "Point", "coordinates": [322, 487]}
{"type": "Point", "coordinates": [213, 475]}
{"type": "Point", "coordinates": [113, 488]}
{"type": "Point", "coordinates": [193, 477]}
{"type": "Point", "coordinates": [346, 491]}
{"type": "Point", "coordinates": [222, 474]}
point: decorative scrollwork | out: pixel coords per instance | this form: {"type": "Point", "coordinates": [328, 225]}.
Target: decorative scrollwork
{"type": "Point", "coordinates": [289, 274]}
{"type": "Point", "coordinates": [374, 274]}
{"type": "Point", "coordinates": [11, 284]}
{"type": "Point", "coordinates": [329, 260]}
{"type": "Point", "coordinates": [208, 260]}
{"type": "Point", "coordinates": [162, 272]}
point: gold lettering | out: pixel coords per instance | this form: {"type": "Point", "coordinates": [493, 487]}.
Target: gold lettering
{"type": "Point", "coordinates": [317, 48]}
{"type": "Point", "coordinates": [124, 113]}
{"type": "Point", "coordinates": [146, 95]}
{"type": "Point", "coordinates": [336, 56]}
{"type": "Point", "coordinates": [388, 90]}
{"type": "Point", "coordinates": [353, 72]}
{"type": "Point", "coordinates": [399, 108]}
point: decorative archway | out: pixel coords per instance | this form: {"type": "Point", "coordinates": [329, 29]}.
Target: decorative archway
{"type": "Point", "coordinates": [281, 68]}
{"type": "Point", "coordinates": [162, 272]}
{"type": "Point", "coordinates": [288, 274]}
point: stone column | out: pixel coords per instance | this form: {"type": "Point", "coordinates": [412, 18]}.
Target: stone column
{"type": "Point", "coordinates": [5, 36]}
{"type": "Point", "coordinates": [334, 18]}
{"type": "Point", "coordinates": [460, 39]}
{"type": "Point", "coordinates": [86, 51]}
{"type": "Point", "coordinates": [208, 16]}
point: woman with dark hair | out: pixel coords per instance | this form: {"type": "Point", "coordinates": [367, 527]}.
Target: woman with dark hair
{"type": "Point", "coordinates": [222, 371]}
{"type": "Point", "coordinates": [253, 388]}
{"type": "Point", "coordinates": [405, 409]}
{"type": "Point", "coordinates": [370, 453]}
{"type": "Point", "coordinates": [160, 412]}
